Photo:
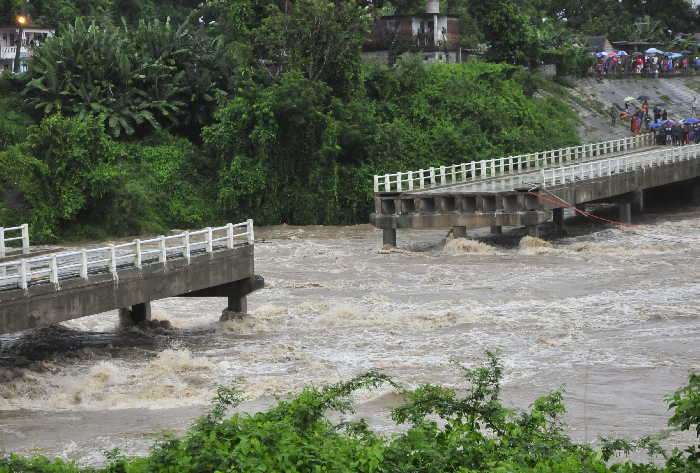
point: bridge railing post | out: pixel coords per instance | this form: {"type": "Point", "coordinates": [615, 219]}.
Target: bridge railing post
{"type": "Point", "coordinates": [229, 235]}
{"type": "Point", "coordinates": [210, 240]}
{"type": "Point", "coordinates": [186, 244]}
{"type": "Point", "coordinates": [25, 237]}
{"type": "Point", "coordinates": [113, 261]}
{"type": "Point", "coordinates": [83, 264]}
{"type": "Point", "coordinates": [2, 242]}
{"type": "Point", "coordinates": [23, 270]}
{"type": "Point", "coordinates": [138, 260]}
{"type": "Point", "coordinates": [163, 249]}
{"type": "Point", "coordinates": [53, 264]}
{"type": "Point", "coordinates": [250, 229]}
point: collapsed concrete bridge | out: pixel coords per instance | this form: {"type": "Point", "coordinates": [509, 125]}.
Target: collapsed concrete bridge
{"type": "Point", "coordinates": [214, 262]}
{"type": "Point", "coordinates": [494, 193]}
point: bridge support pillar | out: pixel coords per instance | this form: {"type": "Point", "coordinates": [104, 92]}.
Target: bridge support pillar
{"type": "Point", "coordinates": [137, 313]}
{"type": "Point", "coordinates": [533, 231]}
{"type": "Point", "coordinates": [638, 201]}
{"type": "Point", "coordinates": [558, 218]}
{"type": "Point", "coordinates": [236, 308]}
{"type": "Point", "coordinates": [625, 212]}
{"type": "Point", "coordinates": [496, 229]}
{"type": "Point", "coordinates": [389, 237]}
{"type": "Point", "coordinates": [459, 232]}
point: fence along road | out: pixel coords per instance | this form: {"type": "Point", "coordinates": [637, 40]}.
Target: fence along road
{"type": "Point", "coordinates": [494, 195]}
{"type": "Point", "coordinates": [213, 262]}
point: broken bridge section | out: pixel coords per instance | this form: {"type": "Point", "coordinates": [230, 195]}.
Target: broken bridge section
{"type": "Point", "coordinates": [495, 193]}
{"type": "Point", "coordinates": [214, 262]}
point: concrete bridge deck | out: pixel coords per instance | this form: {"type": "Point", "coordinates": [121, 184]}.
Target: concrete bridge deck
{"type": "Point", "coordinates": [498, 198]}
{"type": "Point", "coordinates": [214, 262]}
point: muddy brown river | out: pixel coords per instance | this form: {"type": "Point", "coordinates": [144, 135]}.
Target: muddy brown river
{"type": "Point", "coordinates": [608, 314]}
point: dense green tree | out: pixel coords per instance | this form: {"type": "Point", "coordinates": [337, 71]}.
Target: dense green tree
{"type": "Point", "coordinates": [149, 76]}
{"type": "Point", "coordinates": [508, 31]}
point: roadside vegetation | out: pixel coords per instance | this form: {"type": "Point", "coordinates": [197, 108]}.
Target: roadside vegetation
{"type": "Point", "coordinates": [441, 430]}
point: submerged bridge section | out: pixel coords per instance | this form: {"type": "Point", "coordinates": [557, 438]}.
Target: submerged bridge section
{"type": "Point", "coordinates": [496, 192]}
{"type": "Point", "coordinates": [214, 262]}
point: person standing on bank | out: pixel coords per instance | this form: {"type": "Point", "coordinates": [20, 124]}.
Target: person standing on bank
{"type": "Point", "coordinates": [613, 116]}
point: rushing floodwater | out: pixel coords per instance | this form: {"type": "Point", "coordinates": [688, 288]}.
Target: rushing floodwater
{"type": "Point", "coordinates": [610, 314]}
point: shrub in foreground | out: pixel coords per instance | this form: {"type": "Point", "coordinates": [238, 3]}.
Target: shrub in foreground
{"type": "Point", "coordinates": [443, 432]}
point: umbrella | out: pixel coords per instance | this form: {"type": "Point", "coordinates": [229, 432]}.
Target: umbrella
{"type": "Point", "coordinates": [676, 55]}
{"type": "Point", "coordinates": [630, 99]}
{"type": "Point", "coordinates": [612, 53]}
{"type": "Point", "coordinates": [643, 97]}
{"type": "Point", "coordinates": [622, 53]}
{"type": "Point", "coordinates": [667, 54]}
{"type": "Point", "coordinates": [655, 125]}
{"type": "Point", "coordinates": [685, 51]}
{"type": "Point", "coordinates": [601, 54]}
{"type": "Point", "coordinates": [653, 51]}
{"type": "Point", "coordinates": [691, 120]}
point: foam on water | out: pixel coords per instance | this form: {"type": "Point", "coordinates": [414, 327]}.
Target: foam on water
{"type": "Point", "coordinates": [534, 246]}
{"type": "Point", "coordinates": [463, 246]}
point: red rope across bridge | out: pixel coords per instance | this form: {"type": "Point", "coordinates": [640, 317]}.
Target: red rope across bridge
{"type": "Point", "coordinates": [560, 203]}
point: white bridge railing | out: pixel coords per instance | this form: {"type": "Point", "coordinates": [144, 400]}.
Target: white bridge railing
{"type": "Point", "coordinates": [52, 269]}
{"type": "Point", "coordinates": [475, 170]}
{"type": "Point", "coordinates": [23, 236]}
{"type": "Point", "coordinates": [608, 167]}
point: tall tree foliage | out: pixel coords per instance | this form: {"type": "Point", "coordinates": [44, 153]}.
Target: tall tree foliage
{"type": "Point", "coordinates": [151, 76]}
{"type": "Point", "coordinates": [511, 36]}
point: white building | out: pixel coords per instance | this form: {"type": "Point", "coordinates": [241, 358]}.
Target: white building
{"type": "Point", "coordinates": [8, 45]}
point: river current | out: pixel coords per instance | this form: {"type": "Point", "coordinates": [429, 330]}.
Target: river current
{"type": "Point", "coordinates": [608, 314]}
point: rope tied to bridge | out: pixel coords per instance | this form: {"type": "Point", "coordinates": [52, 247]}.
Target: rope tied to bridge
{"type": "Point", "coordinates": [651, 232]}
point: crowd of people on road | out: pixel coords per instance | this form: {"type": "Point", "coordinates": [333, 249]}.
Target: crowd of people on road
{"type": "Point", "coordinates": [667, 131]}
{"type": "Point", "coordinates": [652, 62]}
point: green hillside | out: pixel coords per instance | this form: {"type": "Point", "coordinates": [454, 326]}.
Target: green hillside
{"type": "Point", "coordinates": [141, 115]}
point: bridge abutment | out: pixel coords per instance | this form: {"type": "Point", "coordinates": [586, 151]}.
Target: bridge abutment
{"type": "Point", "coordinates": [496, 229]}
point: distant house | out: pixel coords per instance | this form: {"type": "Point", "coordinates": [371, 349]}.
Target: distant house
{"type": "Point", "coordinates": [8, 45]}
{"type": "Point", "coordinates": [433, 36]}
{"type": "Point", "coordinates": [596, 44]}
